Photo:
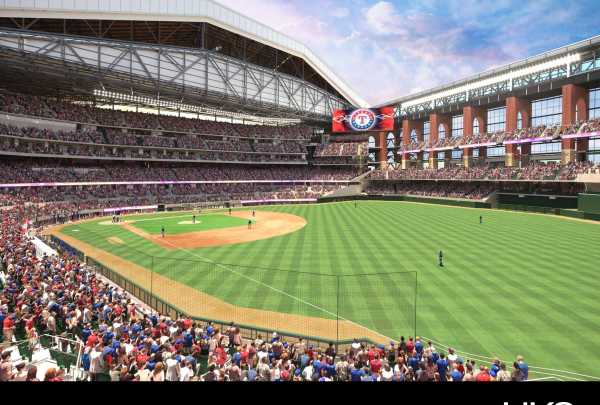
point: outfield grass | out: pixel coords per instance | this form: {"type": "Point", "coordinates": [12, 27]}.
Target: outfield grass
{"type": "Point", "coordinates": [178, 224]}
{"type": "Point", "coordinates": [517, 284]}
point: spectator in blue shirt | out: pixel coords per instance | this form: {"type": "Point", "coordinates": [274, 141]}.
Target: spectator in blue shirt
{"type": "Point", "coordinates": [419, 346]}
{"type": "Point", "coordinates": [413, 361]}
{"type": "Point", "coordinates": [495, 368]}
{"type": "Point", "coordinates": [304, 360]}
{"type": "Point", "coordinates": [456, 375]}
{"type": "Point", "coordinates": [356, 374]}
{"type": "Point", "coordinates": [442, 366]}
{"type": "Point", "coordinates": [523, 367]}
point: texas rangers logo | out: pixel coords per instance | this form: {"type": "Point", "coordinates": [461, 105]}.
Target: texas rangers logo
{"type": "Point", "coordinates": [362, 120]}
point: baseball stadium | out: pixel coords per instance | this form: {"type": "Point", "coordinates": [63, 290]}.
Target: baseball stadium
{"type": "Point", "coordinates": [188, 194]}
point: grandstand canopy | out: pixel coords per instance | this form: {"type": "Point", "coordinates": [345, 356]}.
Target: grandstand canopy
{"type": "Point", "coordinates": [193, 52]}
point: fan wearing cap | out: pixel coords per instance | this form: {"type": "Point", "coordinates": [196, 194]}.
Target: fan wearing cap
{"type": "Point", "coordinates": [391, 353]}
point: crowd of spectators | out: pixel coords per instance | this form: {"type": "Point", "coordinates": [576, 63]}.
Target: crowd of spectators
{"type": "Point", "coordinates": [42, 171]}
{"type": "Point", "coordinates": [85, 113]}
{"type": "Point", "coordinates": [342, 149]}
{"type": "Point", "coordinates": [462, 190]}
{"type": "Point", "coordinates": [532, 172]}
{"type": "Point", "coordinates": [552, 132]}
{"type": "Point", "coordinates": [340, 160]}
{"type": "Point", "coordinates": [109, 143]}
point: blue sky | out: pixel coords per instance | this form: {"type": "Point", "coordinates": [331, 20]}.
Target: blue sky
{"type": "Point", "coordinates": [388, 49]}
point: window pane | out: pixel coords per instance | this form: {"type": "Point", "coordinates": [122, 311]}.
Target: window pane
{"type": "Point", "coordinates": [594, 104]}
{"type": "Point", "coordinates": [540, 148]}
{"type": "Point", "coordinates": [547, 111]}
{"type": "Point", "coordinates": [594, 158]}
{"type": "Point", "coordinates": [457, 126]}
{"type": "Point", "coordinates": [496, 119]}
{"type": "Point", "coordinates": [426, 130]}
{"type": "Point", "coordinates": [496, 151]}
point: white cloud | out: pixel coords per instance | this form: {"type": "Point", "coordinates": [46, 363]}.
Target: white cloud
{"type": "Point", "coordinates": [383, 18]}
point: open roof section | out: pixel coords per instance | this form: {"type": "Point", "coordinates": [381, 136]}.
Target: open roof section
{"type": "Point", "coordinates": [558, 64]}
{"type": "Point", "coordinates": [188, 11]}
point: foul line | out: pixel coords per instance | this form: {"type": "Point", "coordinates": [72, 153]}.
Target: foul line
{"type": "Point", "coordinates": [533, 368]}
{"type": "Point", "coordinates": [275, 289]}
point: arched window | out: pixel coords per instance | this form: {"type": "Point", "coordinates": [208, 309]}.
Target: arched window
{"type": "Point", "coordinates": [426, 130]}
{"type": "Point", "coordinates": [391, 158]}
{"type": "Point", "coordinates": [519, 120]}
{"type": "Point", "coordinates": [413, 135]}
{"type": "Point", "coordinates": [441, 132]}
{"type": "Point", "coordinates": [391, 141]}
{"type": "Point", "coordinates": [371, 142]}
{"type": "Point", "coordinates": [475, 126]}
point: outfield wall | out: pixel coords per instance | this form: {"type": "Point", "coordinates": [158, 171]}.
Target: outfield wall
{"type": "Point", "coordinates": [589, 203]}
{"type": "Point", "coordinates": [529, 200]}
{"type": "Point", "coordinates": [407, 198]}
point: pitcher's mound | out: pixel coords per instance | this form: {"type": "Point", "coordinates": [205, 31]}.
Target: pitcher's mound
{"type": "Point", "coordinates": [107, 223]}
{"type": "Point", "coordinates": [189, 222]}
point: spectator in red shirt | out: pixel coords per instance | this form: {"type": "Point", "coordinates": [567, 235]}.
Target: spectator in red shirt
{"type": "Point", "coordinates": [375, 364]}
{"type": "Point", "coordinates": [8, 328]}
{"type": "Point", "coordinates": [410, 345]}
{"type": "Point", "coordinates": [484, 375]}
